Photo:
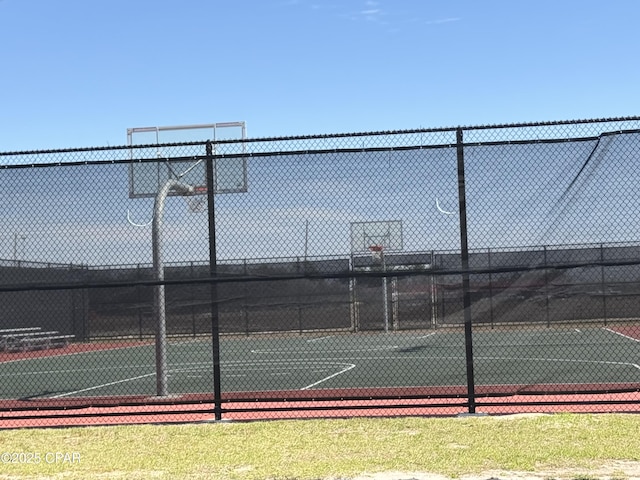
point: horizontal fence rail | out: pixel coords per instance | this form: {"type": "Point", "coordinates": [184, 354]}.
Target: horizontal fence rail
{"type": "Point", "coordinates": [433, 271]}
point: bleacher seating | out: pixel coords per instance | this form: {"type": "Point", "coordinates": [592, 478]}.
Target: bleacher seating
{"type": "Point", "coordinates": [31, 338]}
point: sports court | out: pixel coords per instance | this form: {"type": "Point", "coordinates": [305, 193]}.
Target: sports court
{"type": "Point", "coordinates": [352, 365]}
{"type": "Point", "coordinates": [350, 267]}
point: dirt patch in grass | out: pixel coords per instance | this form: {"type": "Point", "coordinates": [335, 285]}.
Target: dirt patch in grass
{"type": "Point", "coordinates": [614, 470]}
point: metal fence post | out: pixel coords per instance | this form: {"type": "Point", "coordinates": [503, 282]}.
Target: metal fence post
{"type": "Point", "coordinates": [192, 299]}
{"type": "Point", "coordinates": [245, 296]}
{"type": "Point", "coordinates": [139, 309]}
{"type": "Point", "coordinates": [491, 312]}
{"type": "Point", "coordinates": [213, 273]}
{"type": "Point", "coordinates": [603, 282]}
{"type": "Point", "coordinates": [464, 254]}
{"type": "Point", "coordinates": [546, 287]}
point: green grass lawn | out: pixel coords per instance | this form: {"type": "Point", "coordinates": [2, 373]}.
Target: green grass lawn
{"type": "Point", "coordinates": [574, 446]}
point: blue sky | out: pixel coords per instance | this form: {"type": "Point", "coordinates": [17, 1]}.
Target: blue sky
{"type": "Point", "coordinates": [78, 73]}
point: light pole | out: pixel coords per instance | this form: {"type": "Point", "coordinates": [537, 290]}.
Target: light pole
{"type": "Point", "coordinates": [16, 237]}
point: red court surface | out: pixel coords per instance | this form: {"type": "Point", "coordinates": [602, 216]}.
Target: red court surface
{"type": "Point", "coordinates": [251, 411]}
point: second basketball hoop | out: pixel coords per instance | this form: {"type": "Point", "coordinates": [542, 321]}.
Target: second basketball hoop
{"type": "Point", "coordinates": [377, 254]}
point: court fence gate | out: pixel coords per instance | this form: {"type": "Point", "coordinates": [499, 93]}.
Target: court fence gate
{"type": "Point", "coordinates": [485, 269]}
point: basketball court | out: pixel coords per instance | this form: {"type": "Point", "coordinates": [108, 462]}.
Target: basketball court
{"type": "Point", "coordinates": [290, 371]}
{"type": "Point", "coordinates": [334, 364]}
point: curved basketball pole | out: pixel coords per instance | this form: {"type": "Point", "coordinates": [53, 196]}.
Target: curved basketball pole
{"type": "Point", "coordinates": [177, 176]}
{"type": "Point", "coordinates": [159, 307]}
{"type": "Point", "coordinates": [159, 304]}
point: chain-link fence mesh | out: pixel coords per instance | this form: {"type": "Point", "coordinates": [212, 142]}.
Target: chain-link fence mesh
{"type": "Point", "coordinates": [414, 270]}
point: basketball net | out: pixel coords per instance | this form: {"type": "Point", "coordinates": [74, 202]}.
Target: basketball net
{"type": "Point", "coordinates": [377, 251]}
{"type": "Point", "coordinates": [197, 202]}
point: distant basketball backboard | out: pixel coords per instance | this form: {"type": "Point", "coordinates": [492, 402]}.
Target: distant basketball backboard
{"type": "Point", "coordinates": [147, 177]}
{"type": "Point", "coordinates": [386, 234]}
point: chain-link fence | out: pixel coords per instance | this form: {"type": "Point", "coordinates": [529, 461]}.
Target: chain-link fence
{"type": "Point", "coordinates": [435, 270]}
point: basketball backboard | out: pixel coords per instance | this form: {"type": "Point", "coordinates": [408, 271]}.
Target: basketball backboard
{"type": "Point", "coordinates": [172, 161]}
{"type": "Point", "coordinates": [386, 234]}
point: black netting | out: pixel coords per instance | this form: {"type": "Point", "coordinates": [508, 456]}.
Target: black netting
{"type": "Point", "coordinates": [439, 270]}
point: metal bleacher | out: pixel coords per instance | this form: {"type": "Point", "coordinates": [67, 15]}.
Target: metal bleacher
{"type": "Point", "coordinates": [31, 338]}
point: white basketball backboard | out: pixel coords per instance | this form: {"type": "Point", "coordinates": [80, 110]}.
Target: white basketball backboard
{"type": "Point", "coordinates": [386, 234]}
{"type": "Point", "coordinates": [146, 176]}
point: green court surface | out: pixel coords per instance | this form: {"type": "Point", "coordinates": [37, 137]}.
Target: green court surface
{"type": "Point", "coordinates": [571, 359]}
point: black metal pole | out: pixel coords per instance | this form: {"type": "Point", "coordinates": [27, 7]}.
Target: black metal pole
{"type": "Point", "coordinates": [546, 287]}
{"type": "Point", "coordinates": [491, 313]}
{"type": "Point", "coordinates": [464, 253]}
{"type": "Point", "coordinates": [603, 284]}
{"type": "Point", "coordinates": [213, 273]}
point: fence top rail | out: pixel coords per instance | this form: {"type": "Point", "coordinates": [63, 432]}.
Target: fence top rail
{"type": "Point", "coordinates": [329, 136]}
{"type": "Point", "coordinates": [320, 259]}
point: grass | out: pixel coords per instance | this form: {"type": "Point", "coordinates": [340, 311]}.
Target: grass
{"type": "Point", "coordinates": [319, 449]}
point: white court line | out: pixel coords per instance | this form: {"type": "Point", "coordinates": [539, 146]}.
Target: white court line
{"type": "Point", "coordinates": [72, 354]}
{"type": "Point", "coordinates": [337, 360]}
{"type": "Point", "coordinates": [426, 336]}
{"type": "Point", "coordinates": [564, 360]}
{"type": "Point", "coordinates": [104, 385]}
{"type": "Point", "coordinates": [346, 369]}
{"type": "Point", "coordinates": [295, 366]}
{"type": "Point", "coordinates": [318, 339]}
{"type": "Point", "coordinates": [276, 371]}
{"type": "Point", "coordinates": [94, 369]}
{"type": "Point", "coordinates": [73, 370]}
{"type": "Point", "coordinates": [622, 335]}
{"type": "Point", "coordinates": [349, 350]}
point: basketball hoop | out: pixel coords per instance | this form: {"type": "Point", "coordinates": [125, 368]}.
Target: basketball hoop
{"type": "Point", "coordinates": [197, 202]}
{"type": "Point", "coordinates": [377, 252]}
